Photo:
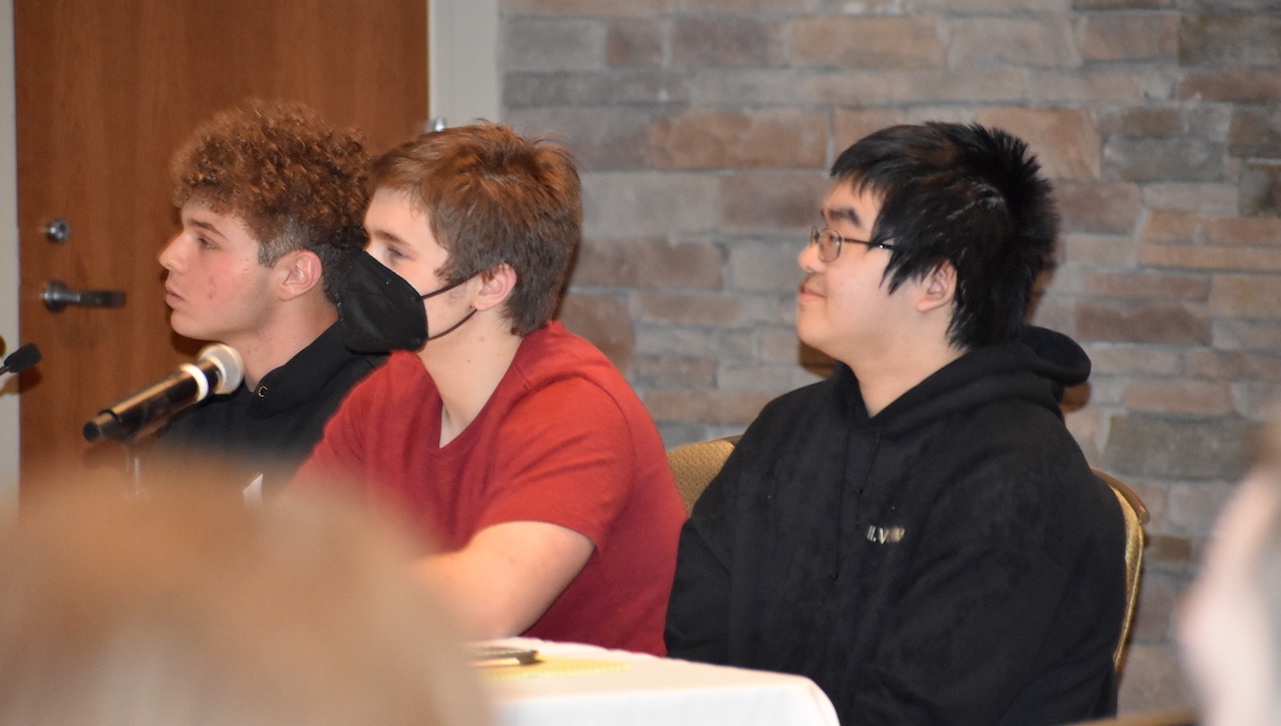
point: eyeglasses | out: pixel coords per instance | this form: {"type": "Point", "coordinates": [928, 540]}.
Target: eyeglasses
{"type": "Point", "coordinates": [829, 243]}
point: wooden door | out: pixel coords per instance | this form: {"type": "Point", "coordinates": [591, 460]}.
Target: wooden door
{"type": "Point", "coordinates": [106, 89]}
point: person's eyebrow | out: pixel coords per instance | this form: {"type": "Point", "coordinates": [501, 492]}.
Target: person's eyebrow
{"type": "Point", "coordinates": [842, 214]}
{"type": "Point", "coordinates": [384, 236]}
{"type": "Point", "coordinates": [207, 226]}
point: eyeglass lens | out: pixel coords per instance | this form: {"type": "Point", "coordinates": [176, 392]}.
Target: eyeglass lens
{"type": "Point", "coordinates": [829, 243]}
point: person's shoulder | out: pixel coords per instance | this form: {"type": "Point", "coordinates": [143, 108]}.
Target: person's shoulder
{"type": "Point", "coordinates": [788, 422]}
{"type": "Point", "coordinates": [552, 354]}
{"type": "Point", "coordinates": [1012, 423]}
{"type": "Point", "coordinates": [555, 338]}
{"type": "Point", "coordinates": [1021, 454]}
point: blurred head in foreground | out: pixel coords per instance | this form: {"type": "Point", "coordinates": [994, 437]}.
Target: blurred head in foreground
{"type": "Point", "coordinates": [1230, 627]}
{"type": "Point", "coordinates": [184, 607]}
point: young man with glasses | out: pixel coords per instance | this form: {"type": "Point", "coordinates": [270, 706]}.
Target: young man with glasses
{"type": "Point", "coordinates": [919, 533]}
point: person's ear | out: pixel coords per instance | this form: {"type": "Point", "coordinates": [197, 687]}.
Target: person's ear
{"type": "Point", "coordinates": [496, 286]}
{"type": "Point", "coordinates": [300, 272]}
{"type": "Point", "coordinates": [937, 288]}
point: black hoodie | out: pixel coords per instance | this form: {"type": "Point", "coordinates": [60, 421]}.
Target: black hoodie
{"type": "Point", "coordinates": [950, 560]}
{"type": "Point", "coordinates": [272, 429]}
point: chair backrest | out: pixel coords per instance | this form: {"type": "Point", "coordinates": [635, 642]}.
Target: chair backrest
{"type": "Point", "coordinates": [1136, 515]}
{"type": "Point", "coordinates": [695, 465]}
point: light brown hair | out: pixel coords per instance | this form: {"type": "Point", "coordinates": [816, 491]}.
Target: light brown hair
{"type": "Point", "coordinates": [492, 198]}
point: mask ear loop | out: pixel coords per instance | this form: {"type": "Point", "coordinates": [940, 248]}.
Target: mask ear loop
{"type": "Point", "coordinates": [453, 327]}
{"type": "Point", "coordinates": [439, 290]}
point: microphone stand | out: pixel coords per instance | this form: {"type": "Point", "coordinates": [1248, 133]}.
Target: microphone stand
{"type": "Point", "coordinates": [133, 468]}
{"type": "Point", "coordinates": [134, 447]}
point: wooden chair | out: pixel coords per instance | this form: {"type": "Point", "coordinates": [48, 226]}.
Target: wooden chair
{"type": "Point", "coordinates": [695, 465]}
{"type": "Point", "coordinates": [1136, 515]}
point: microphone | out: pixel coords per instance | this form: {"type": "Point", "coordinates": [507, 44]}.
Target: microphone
{"type": "Point", "coordinates": [218, 369]}
{"type": "Point", "coordinates": [21, 359]}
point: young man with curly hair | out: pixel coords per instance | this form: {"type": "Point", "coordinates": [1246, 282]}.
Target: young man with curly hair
{"type": "Point", "coordinates": [514, 444]}
{"type": "Point", "coordinates": [919, 533]}
{"type": "Point", "coordinates": [270, 199]}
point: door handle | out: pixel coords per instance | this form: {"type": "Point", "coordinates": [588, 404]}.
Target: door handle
{"type": "Point", "coordinates": [57, 296]}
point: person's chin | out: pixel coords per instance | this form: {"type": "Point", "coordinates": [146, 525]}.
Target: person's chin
{"type": "Point", "coordinates": [806, 334]}
{"type": "Point", "coordinates": [187, 328]}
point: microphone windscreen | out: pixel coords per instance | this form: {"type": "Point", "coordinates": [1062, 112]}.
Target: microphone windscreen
{"type": "Point", "coordinates": [229, 365]}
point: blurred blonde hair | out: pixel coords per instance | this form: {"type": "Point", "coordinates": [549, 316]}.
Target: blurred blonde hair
{"type": "Point", "coordinates": [184, 607]}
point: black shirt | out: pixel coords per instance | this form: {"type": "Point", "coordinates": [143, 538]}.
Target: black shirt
{"type": "Point", "coordinates": [274, 427]}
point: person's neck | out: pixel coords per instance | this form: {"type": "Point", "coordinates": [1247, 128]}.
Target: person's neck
{"type": "Point", "coordinates": [286, 334]}
{"type": "Point", "coordinates": [467, 365]}
{"type": "Point", "coordinates": [883, 380]}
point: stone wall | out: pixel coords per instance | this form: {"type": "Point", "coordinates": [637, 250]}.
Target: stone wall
{"type": "Point", "coordinates": [704, 128]}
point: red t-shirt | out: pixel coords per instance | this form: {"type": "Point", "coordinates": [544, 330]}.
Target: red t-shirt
{"type": "Point", "coordinates": [563, 439]}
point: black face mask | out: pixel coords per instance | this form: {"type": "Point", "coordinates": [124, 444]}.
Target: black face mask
{"type": "Point", "coordinates": [380, 312]}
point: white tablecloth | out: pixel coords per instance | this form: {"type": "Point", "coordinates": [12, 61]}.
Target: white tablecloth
{"type": "Point", "coordinates": [656, 692]}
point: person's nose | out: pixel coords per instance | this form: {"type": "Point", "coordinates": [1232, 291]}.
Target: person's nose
{"type": "Point", "coordinates": [170, 258]}
{"type": "Point", "coordinates": [808, 259]}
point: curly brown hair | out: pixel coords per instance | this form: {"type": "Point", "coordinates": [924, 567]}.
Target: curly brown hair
{"type": "Point", "coordinates": [493, 197]}
{"type": "Point", "coordinates": [296, 182]}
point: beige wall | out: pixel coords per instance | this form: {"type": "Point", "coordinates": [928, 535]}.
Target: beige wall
{"type": "Point", "coordinates": [463, 73]}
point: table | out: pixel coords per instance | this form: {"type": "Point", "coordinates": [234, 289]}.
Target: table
{"type": "Point", "coordinates": [632, 689]}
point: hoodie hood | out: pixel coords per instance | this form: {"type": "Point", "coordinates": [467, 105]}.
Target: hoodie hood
{"type": "Point", "coordinates": [1036, 367]}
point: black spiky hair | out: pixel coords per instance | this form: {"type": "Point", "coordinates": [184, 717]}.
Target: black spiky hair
{"type": "Point", "coordinates": [964, 194]}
